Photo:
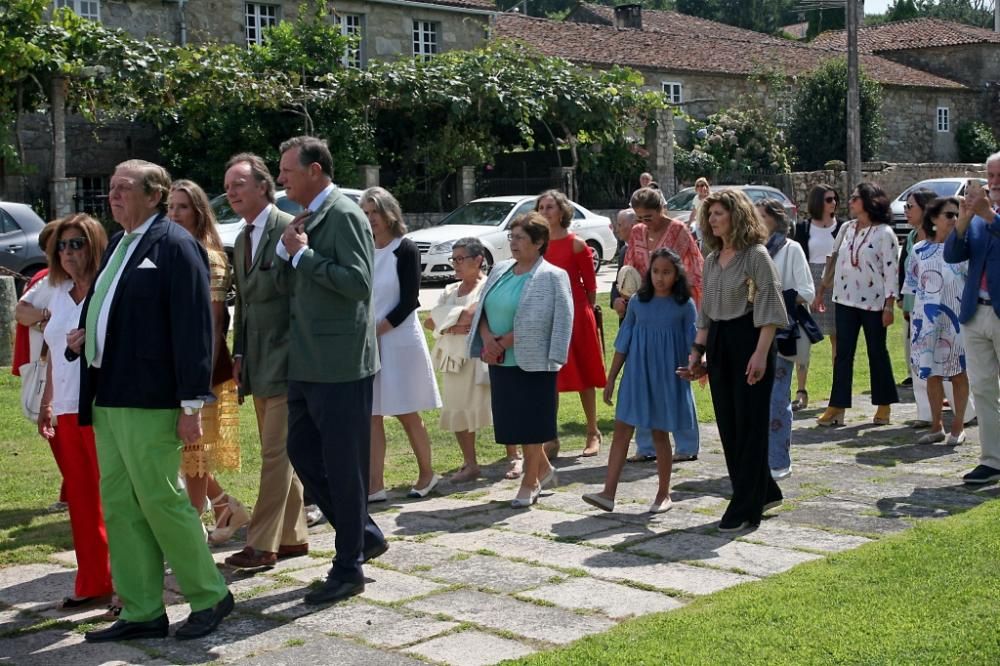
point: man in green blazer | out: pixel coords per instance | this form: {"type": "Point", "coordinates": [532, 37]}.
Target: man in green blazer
{"type": "Point", "coordinates": [333, 358]}
{"type": "Point", "coordinates": [260, 367]}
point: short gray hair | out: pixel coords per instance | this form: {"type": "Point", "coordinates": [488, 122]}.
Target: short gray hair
{"type": "Point", "coordinates": [628, 213]}
{"type": "Point", "coordinates": [995, 157]}
{"type": "Point", "coordinates": [471, 245]}
{"type": "Point", "coordinates": [387, 205]}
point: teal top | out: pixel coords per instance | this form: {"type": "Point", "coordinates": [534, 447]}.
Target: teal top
{"type": "Point", "coordinates": [911, 238]}
{"type": "Point", "coordinates": [501, 305]}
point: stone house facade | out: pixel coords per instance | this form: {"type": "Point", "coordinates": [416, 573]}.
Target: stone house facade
{"type": "Point", "coordinates": [703, 67]}
{"type": "Point", "coordinates": [388, 30]}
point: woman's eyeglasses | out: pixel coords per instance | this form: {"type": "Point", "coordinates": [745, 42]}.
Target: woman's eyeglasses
{"type": "Point", "coordinates": [830, 199]}
{"type": "Point", "coordinates": [455, 261]}
{"type": "Point", "coordinates": [71, 243]}
{"type": "Point", "coordinates": [908, 206]}
{"type": "Point", "coordinates": [951, 215]}
{"type": "Point", "coordinates": [516, 237]}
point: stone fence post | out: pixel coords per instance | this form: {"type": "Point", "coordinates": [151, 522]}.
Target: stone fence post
{"type": "Point", "coordinates": [566, 177]}
{"type": "Point", "coordinates": [660, 146]}
{"type": "Point", "coordinates": [8, 299]}
{"type": "Point", "coordinates": [369, 174]}
{"type": "Point", "coordinates": [466, 185]}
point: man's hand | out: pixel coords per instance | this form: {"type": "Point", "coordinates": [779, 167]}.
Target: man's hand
{"type": "Point", "coordinates": [237, 369]}
{"type": "Point", "coordinates": [189, 427]}
{"type": "Point", "coordinates": [74, 340]}
{"type": "Point", "coordinates": [294, 237]}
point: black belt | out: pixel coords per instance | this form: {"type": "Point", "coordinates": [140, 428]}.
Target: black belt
{"type": "Point", "coordinates": [984, 301]}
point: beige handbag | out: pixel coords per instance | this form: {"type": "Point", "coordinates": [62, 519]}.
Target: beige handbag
{"type": "Point", "coordinates": [830, 269]}
{"type": "Point", "coordinates": [33, 377]}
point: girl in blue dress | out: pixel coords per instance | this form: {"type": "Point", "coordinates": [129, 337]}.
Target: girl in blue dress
{"type": "Point", "coordinates": [655, 337]}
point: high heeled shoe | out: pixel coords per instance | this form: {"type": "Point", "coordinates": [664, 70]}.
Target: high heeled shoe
{"type": "Point", "coordinates": [593, 445]}
{"type": "Point", "coordinates": [233, 517]}
{"type": "Point", "coordinates": [833, 416]}
{"type": "Point", "coordinates": [882, 415]}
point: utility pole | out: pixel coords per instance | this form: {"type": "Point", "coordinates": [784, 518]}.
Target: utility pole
{"type": "Point", "coordinates": [854, 10]}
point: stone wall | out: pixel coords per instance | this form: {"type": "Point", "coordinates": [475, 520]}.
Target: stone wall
{"type": "Point", "coordinates": [971, 64]}
{"type": "Point", "coordinates": [893, 178]}
{"type": "Point", "coordinates": [90, 151]}
{"type": "Point", "coordinates": [388, 28]}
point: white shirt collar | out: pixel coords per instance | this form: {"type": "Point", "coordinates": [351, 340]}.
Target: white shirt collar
{"type": "Point", "coordinates": [261, 219]}
{"type": "Point", "coordinates": [321, 197]}
{"type": "Point", "coordinates": [144, 227]}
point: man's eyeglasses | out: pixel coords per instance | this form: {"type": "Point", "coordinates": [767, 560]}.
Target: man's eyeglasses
{"type": "Point", "coordinates": [71, 243]}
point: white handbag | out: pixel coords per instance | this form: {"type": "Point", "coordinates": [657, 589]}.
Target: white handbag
{"type": "Point", "coordinates": [33, 376]}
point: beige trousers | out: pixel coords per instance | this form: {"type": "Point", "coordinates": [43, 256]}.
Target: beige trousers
{"type": "Point", "coordinates": [277, 516]}
{"type": "Point", "coordinates": [982, 354]}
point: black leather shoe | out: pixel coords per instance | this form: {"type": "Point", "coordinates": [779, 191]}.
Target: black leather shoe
{"type": "Point", "coordinates": [123, 630]}
{"type": "Point", "coordinates": [375, 551]}
{"type": "Point", "coordinates": [334, 591]}
{"type": "Point", "coordinates": [203, 622]}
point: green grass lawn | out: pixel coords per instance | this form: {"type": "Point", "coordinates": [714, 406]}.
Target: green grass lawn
{"type": "Point", "coordinates": [31, 480]}
{"type": "Point", "coordinates": [926, 596]}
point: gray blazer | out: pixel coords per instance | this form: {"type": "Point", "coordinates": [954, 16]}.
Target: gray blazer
{"type": "Point", "coordinates": [543, 323]}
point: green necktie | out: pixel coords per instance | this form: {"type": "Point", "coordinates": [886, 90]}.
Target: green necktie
{"type": "Point", "coordinates": [100, 293]}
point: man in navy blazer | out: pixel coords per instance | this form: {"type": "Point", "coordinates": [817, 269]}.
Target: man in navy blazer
{"type": "Point", "coordinates": [146, 340]}
{"type": "Point", "coordinates": [976, 239]}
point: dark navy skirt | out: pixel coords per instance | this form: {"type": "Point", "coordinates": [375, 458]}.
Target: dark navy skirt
{"type": "Point", "coordinates": [524, 405]}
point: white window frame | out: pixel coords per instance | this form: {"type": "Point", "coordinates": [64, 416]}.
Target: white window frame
{"type": "Point", "coordinates": [88, 9]}
{"type": "Point", "coordinates": [353, 25]}
{"type": "Point", "coordinates": [944, 119]}
{"type": "Point", "coordinates": [425, 38]}
{"type": "Point", "coordinates": [674, 90]}
{"type": "Point", "coordinates": [257, 17]}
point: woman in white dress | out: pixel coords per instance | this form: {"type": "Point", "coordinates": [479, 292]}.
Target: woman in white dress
{"type": "Point", "coordinates": [465, 382]}
{"type": "Point", "coordinates": [405, 385]}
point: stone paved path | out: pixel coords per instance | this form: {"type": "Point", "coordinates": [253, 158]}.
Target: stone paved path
{"type": "Point", "coordinates": [469, 581]}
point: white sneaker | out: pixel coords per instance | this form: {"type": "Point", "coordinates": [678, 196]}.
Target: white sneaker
{"type": "Point", "coordinates": [783, 473]}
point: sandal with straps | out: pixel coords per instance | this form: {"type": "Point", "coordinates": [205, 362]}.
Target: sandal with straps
{"type": "Point", "coordinates": [233, 517]}
{"type": "Point", "coordinates": [801, 400]}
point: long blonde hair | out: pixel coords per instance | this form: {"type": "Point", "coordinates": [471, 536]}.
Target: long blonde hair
{"type": "Point", "coordinates": [746, 227]}
{"type": "Point", "coordinates": [205, 228]}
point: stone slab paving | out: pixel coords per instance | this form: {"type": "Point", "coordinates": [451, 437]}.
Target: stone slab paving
{"type": "Point", "coordinates": [469, 581]}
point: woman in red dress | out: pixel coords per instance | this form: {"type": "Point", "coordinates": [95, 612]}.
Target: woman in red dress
{"type": "Point", "coordinates": [584, 369]}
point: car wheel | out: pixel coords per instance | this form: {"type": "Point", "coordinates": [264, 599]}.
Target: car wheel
{"type": "Point", "coordinates": [596, 247]}
{"type": "Point", "coordinates": [487, 262]}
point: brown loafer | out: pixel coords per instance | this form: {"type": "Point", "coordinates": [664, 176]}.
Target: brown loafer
{"type": "Point", "coordinates": [293, 551]}
{"type": "Point", "coordinates": [251, 558]}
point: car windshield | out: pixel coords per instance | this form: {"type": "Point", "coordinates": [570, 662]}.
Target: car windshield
{"type": "Point", "coordinates": [224, 214]}
{"type": "Point", "coordinates": [940, 188]}
{"type": "Point", "coordinates": [480, 213]}
{"type": "Point", "coordinates": [683, 200]}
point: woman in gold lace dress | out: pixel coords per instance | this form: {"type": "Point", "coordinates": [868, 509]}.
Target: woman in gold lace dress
{"type": "Point", "coordinates": [219, 447]}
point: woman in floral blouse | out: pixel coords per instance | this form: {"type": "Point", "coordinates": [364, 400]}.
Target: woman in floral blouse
{"type": "Point", "coordinates": [865, 289]}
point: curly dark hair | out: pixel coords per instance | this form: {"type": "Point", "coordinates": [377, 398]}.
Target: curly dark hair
{"type": "Point", "coordinates": [875, 202]}
{"type": "Point", "coordinates": [681, 291]}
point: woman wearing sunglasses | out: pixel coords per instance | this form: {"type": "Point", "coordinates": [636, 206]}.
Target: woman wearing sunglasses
{"type": "Point", "coordinates": [936, 348]}
{"type": "Point", "coordinates": [74, 254]}
{"type": "Point", "coordinates": [816, 236]}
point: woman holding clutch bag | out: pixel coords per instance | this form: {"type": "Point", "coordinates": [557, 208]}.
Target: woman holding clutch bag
{"type": "Point", "coordinates": [522, 330]}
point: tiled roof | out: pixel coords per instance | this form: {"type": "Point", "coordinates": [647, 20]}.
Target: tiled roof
{"type": "Point", "coordinates": [488, 5]}
{"type": "Point", "coordinates": [672, 22]}
{"type": "Point", "coordinates": [695, 52]}
{"type": "Point", "coordinates": [914, 34]}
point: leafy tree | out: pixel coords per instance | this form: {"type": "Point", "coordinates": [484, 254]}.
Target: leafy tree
{"type": "Point", "coordinates": [976, 142]}
{"type": "Point", "coordinates": [822, 20]}
{"type": "Point", "coordinates": [819, 118]}
{"type": "Point", "coordinates": [902, 10]}
{"type": "Point", "coordinates": [761, 15]}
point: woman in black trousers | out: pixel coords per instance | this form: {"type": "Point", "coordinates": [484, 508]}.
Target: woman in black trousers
{"type": "Point", "coordinates": [864, 293]}
{"type": "Point", "coordinates": [741, 309]}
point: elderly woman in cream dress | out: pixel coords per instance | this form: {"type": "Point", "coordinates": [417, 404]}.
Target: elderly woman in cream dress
{"type": "Point", "coordinates": [465, 382]}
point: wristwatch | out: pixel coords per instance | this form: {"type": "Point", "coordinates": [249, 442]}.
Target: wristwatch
{"type": "Point", "coordinates": [191, 411]}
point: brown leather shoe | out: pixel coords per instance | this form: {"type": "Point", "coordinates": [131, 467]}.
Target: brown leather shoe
{"type": "Point", "coordinates": [250, 558]}
{"type": "Point", "coordinates": [293, 551]}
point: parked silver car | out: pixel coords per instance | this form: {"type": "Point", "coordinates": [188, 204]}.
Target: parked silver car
{"type": "Point", "coordinates": [19, 251]}
{"type": "Point", "coordinates": [679, 206]}
{"type": "Point", "coordinates": [944, 187]}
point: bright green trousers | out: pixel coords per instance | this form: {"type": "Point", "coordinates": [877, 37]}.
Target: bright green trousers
{"type": "Point", "coordinates": [147, 516]}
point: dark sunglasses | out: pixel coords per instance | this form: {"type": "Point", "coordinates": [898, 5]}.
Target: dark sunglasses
{"type": "Point", "coordinates": [830, 199]}
{"type": "Point", "coordinates": [908, 206]}
{"type": "Point", "coordinates": [951, 215]}
{"type": "Point", "coordinates": [72, 243]}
